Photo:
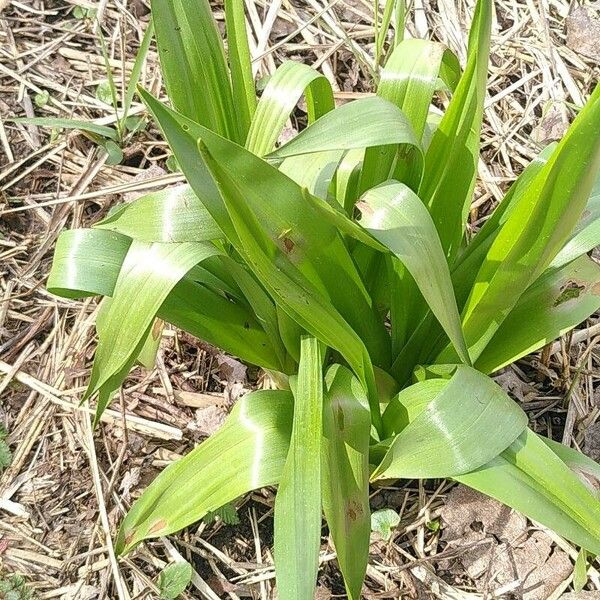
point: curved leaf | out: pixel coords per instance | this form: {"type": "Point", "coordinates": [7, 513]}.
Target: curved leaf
{"type": "Point", "coordinates": [360, 124]}
{"type": "Point", "coordinates": [148, 275]}
{"type": "Point", "coordinates": [445, 439]}
{"type": "Point", "coordinates": [100, 253]}
{"type": "Point", "coordinates": [531, 478]}
{"type": "Point", "coordinates": [537, 227]}
{"type": "Point", "coordinates": [558, 301]}
{"type": "Point", "coordinates": [279, 99]}
{"type": "Point", "coordinates": [396, 217]}
{"type": "Point", "coordinates": [247, 453]}
{"type": "Point", "coordinates": [172, 215]}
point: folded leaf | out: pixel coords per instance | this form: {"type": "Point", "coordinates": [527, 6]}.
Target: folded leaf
{"type": "Point", "coordinates": [359, 124]}
{"type": "Point", "coordinates": [101, 253]}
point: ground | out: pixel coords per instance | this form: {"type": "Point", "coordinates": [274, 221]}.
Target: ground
{"type": "Point", "coordinates": [68, 486]}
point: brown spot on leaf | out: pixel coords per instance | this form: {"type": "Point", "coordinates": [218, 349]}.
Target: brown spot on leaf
{"type": "Point", "coordinates": [130, 535]}
{"type": "Point", "coordinates": [288, 244]}
{"type": "Point", "coordinates": [158, 526]}
{"type": "Point", "coordinates": [364, 208]}
{"type": "Point", "coordinates": [157, 328]}
{"type": "Point", "coordinates": [354, 510]}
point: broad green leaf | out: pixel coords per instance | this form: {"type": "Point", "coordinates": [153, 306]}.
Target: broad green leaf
{"type": "Point", "coordinates": [87, 263]}
{"type": "Point", "coordinates": [302, 244]}
{"type": "Point", "coordinates": [363, 123]}
{"type": "Point", "coordinates": [174, 578]}
{"type": "Point", "coordinates": [445, 439]}
{"type": "Point", "coordinates": [586, 235]}
{"type": "Point", "coordinates": [412, 75]}
{"type": "Point", "coordinates": [299, 236]}
{"type": "Point", "coordinates": [532, 479]}
{"type": "Point", "coordinates": [537, 227]}
{"type": "Point", "coordinates": [148, 275]}
{"type": "Point", "coordinates": [345, 480]}
{"type": "Point", "coordinates": [452, 157]}
{"type": "Point", "coordinates": [410, 403]}
{"type": "Point", "coordinates": [247, 453]}
{"type": "Point", "coordinates": [279, 99]}
{"type": "Point", "coordinates": [238, 53]}
{"type": "Point", "coordinates": [182, 134]}
{"type": "Point", "coordinates": [203, 313]}
{"type": "Point", "coordinates": [311, 244]}
{"type": "Point", "coordinates": [297, 524]}
{"type": "Point", "coordinates": [464, 270]}
{"type": "Point", "coordinates": [315, 172]}
{"type": "Point", "coordinates": [558, 301]}
{"type": "Point", "coordinates": [101, 130]}
{"type": "Point", "coordinates": [172, 215]}
{"type": "Point", "coordinates": [193, 64]}
{"type": "Point", "coordinates": [396, 217]}
{"type": "Point", "coordinates": [293, 291]}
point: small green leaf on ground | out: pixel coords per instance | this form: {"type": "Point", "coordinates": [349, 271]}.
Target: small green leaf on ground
{"type": "Point", "coordinates": [41, 99]}
{"type": "Point", "coordinates": [227, 513]}
{"type": "Point", "coordinates": [115, 154]}
{"type": "Point", "coordinates": [81, 12]}
{"type": "Point", "coordinates": [172, 164]}
{"type": "Point", "coordinates": [5, 454]}
{"type": "Point", "coordinates": [384, 521]}
{"type": "Point", "coordinates": [14, 588]}
{"type": "Point", "coordinates": [174, 578]}
{"type": "Point", "coordinates": [134, 123]}
{"type": "Point", "coordinates": [104, 92]}
{"type": "Point", "coordinates": [580, 572]}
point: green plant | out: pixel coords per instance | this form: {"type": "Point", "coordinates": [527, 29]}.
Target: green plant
{"type": "Point", "coordinates": [5, 453]}
{"type": "Point", "coordinates": [339, 263]}
{"type": "Point", "coordinates": [14, 588]}
{"type": "Point", "coordinates": [111, 139]}
{"type": "Point", "coordinates": [174, 578]}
